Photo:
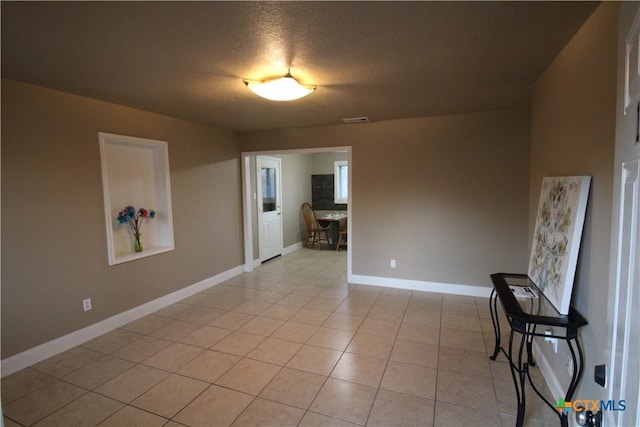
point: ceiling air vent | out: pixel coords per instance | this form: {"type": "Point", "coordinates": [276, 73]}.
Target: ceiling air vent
{"type": "Point", "coordinates": [356, 120]}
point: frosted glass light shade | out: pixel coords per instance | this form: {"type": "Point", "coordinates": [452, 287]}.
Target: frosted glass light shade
{"type": "Point", "coordinates": [285, 88]}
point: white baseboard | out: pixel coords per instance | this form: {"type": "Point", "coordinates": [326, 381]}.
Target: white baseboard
{"type": "Point", "coordinates": [44, 351]}
{"type": "Point", "coordinates": [419, 285]}
{"type": "Point", "coordinates": [292, 248]}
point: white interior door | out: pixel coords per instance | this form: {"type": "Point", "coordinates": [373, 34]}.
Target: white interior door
{"type": "Point", "coordinates": [623, 352]}
{"type": "Point", "coordinates": [269, 207]}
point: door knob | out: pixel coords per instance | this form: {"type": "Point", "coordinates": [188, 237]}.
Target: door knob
{"type": "Point", "coordinates": [600, 374]}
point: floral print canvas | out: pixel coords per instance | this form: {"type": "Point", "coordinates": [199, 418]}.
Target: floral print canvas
{"type": "Point", "coordinates": [556, 238]}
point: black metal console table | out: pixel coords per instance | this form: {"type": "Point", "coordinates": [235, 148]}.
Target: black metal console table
{"type": "Point", "coordinates": [531, 317]}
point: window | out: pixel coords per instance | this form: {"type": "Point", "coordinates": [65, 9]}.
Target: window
{"type": "Point", "coordinates": [268, 176]}
{"type": "Point", "coordinates": [341, 182]}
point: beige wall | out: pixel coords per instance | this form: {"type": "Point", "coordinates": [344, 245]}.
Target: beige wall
{"type": "Point", "coordinates": [323, 163]}
{"type": "Point", "coordinates": [296, 190]}
{"type": "Point", "coordinates": [432, 193]}
{"type": "Point", "coordinates": [54, 250]}
{"type": "Point", "coordinates": [573, 133]}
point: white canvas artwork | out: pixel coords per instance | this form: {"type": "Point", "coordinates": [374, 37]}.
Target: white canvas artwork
{"type": "Point", "coordinates": [556, 238]}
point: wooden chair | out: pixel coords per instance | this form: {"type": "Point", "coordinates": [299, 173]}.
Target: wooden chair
{"type": "Point", "coordinates": [342, 235]}
{"type": "Point", "coordinates": [314, 230]}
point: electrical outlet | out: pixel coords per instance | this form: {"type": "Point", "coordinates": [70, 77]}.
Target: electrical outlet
{"type": "Point", "coordinates": [569, 366]}
{"type": "Point", "coordinates": [551, 340]}
{"type": "Point", "coordinates": [392, 264]}
{"type": "Point", "coordinates": [86, 304]}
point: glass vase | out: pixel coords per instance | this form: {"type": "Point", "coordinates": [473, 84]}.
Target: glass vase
{"type": "Point", "coordinates": [137, 245]}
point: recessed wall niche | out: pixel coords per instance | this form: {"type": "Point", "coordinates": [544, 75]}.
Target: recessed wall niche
{"type": "Point", "coordinates": [135, 172]}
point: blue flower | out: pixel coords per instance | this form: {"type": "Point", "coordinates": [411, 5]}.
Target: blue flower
{"type": "Point", "coordinates": [122, 219]}
{"type": "Point", "coordinates": [134, 218]}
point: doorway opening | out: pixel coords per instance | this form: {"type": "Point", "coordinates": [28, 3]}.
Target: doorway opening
{"type": "Point", "coordinates": [289, 209]}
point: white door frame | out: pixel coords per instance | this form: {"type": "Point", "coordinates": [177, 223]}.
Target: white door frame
{"type": "Point", "coordinates": [248, 211]}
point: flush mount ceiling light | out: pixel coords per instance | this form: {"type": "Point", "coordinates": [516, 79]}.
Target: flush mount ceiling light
{"type": "Point", "coordinates": [284, 88]}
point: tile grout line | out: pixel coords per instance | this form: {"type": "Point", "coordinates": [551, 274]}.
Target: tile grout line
{"type": "Point", "coordinates": [281, 370]}
{"type": "Point", "coordinates": [337, 361]}
{"type": "Point", "coordinates": [395, 339]}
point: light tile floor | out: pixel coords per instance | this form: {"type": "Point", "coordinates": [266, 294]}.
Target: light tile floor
{"type": "Point", "coordinates": [288, 344]}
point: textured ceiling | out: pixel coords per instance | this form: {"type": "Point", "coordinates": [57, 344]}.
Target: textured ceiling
{"type": "Point", "coordinates": [384, 60]}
